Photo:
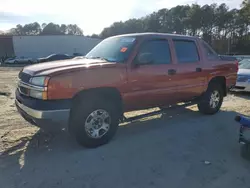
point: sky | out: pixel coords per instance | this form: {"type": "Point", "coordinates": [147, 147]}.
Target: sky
{"type": "Point", "coordinates": [91, 15]}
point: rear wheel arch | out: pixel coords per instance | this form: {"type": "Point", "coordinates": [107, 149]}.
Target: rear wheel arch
{"type": "Point", "coordinates": [219, 80]}
{"type": "Point", "coordinates": [210, 102]}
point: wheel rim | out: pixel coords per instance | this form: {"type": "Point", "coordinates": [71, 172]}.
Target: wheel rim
{"type": "Point", "coordinates": [97, 123]}
{"type": "Point", "coordinates": [215, 99]}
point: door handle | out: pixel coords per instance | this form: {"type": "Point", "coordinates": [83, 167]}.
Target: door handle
{"type": "Point", "coordinates": [198, 69]}
{"type": "Point", "coordinates": [171, 71]}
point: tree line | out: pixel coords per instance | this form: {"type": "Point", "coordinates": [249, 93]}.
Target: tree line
{"type": "Point", "coordinates": [45, 29]}
{"type": "Point", "coordinates": [198, 20]}
{"type": "Point", "coordinates": [211, 22]}
{"type": "Point", "coordinates": [216, 21]}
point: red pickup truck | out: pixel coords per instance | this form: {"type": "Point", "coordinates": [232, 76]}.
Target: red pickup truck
{"type": "Point", "coordinates": [123, 73]}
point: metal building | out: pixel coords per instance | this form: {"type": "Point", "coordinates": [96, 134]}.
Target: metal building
{"type": "Point", "coordinates": [40, 46]}
{"type": "Point", "coordinates": [6, 46]}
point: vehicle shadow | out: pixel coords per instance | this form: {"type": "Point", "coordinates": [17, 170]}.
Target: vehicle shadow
{"type": "Point", "coordinates": [165, 149]}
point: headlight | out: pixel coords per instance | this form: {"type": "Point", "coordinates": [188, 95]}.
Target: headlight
{"type": "Point", "coordinates": [39, 80]}
{"type": "Point", "coordinates": [38, 94]}
{"type": "Point", "coordinates": [38, 87]}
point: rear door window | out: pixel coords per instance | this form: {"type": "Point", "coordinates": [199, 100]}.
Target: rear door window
{"type": "Point", "coordinates": [186, 51]}
{"type": "Point", "coordinates": [209, 52]}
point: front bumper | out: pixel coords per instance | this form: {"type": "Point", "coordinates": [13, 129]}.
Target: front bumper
{"type": "Point", "coordinates": [43, 113]}
{"type": "Point", "coordinates": [57, 115]}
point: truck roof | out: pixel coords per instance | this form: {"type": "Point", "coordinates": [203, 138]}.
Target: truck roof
{"type": "Point", "coordinates": [152, 34]}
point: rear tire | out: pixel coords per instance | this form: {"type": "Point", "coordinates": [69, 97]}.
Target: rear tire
{"type": "Point", "coordinates": [83, 123]}
{"type": "Point", "coordinates": [211, 100]}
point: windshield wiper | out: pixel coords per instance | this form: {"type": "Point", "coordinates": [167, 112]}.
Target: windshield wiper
{"type": "Point", "coordinates": [101, 58]}
{"type": "Point", "coordinates": [80, 57]}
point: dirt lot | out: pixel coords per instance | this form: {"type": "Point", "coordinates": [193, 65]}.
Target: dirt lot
{"type": "Point", "coordinates": [181, 148]}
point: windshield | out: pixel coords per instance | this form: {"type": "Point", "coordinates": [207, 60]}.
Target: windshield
{"type": "Point", "coordinates": [244, 64]}
{"type": "Point", "coordinates": [113, 49]}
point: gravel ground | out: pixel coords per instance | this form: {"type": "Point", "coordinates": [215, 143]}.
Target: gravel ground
{"type": "Point", "coordinates": [181, 148]}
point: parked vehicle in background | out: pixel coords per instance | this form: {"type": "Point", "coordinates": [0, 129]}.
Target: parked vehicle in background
{"type": "Point", "coordinates": [228, 57]}
{"type": "Point", "coordinates": [19, 60]}
{"type": "Point", "coordinates": [77, 54]}
{"type": "Point", "coordinates": [243, 77]}
{"type": "Point", "coordinates": [121, 74]}
{"type": "Point", "coordinates": [54, 57]}
{"type": "Point", "coordinates": [241, 57]}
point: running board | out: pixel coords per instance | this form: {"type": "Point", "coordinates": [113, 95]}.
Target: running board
{"type": "Point", "coordinates": [134, 118]}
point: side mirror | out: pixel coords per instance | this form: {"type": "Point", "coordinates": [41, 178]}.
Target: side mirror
{"type": "Point", "coordinates": [144, 59]}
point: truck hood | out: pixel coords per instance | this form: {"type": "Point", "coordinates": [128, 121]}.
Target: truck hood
{"type": "Point", "coordinates": [244, 72]}
{"type": "Point", "coordinates": [57, 67]}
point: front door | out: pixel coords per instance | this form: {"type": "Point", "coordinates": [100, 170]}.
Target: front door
{"type": "Point", "coordinates": [152, 79]}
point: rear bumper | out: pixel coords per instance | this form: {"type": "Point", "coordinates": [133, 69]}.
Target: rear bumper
{"type": "Point", "coordinates": [242, 86]}
{"type": "Point", "coordinates": [43, 113]}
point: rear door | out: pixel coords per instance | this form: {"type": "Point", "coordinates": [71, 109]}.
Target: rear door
{"type": "Point", "coordinates": [192, 80]}
{"type": "Point", "coordinates": [151, 84]}
{"type": "Point", "coordinates": [215, 65]}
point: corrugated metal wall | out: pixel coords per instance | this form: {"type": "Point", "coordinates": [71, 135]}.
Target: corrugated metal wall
{"type": "Point", "coordinates": [40, 46]}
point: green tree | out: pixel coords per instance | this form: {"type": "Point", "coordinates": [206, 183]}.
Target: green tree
{"type": "Point", "coordinates": [73, 29]}
{"type": "Point", "coordinates": [17, 31]}
{"type": "Point", "coordinates": [32, 29]}
{"type": "Point", "coordinates": [51, 29]}
{"type": "Point", "coordinates": [177, 19]}
{"type": "Point", "coordinates": [245, 16]}
{"type": "Point", "coordinates": [193, 21]}
{"type": "Point", "coordinates": [45, 29]}
{"type": "Point", "coordinates": [94, 36]}
{"type": "Point", "coordinates": [63, 28]}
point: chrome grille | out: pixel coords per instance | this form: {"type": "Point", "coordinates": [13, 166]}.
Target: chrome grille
{"type": "Point", "coordinates": [24, 78]}
{"type": "Point", "coordinates": [24, 91]}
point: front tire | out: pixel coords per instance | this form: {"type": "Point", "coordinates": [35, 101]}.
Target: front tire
{"type": "Point", "coordinates": [94, 122]}
{"type": "Point", "coordinates": [211, 101]}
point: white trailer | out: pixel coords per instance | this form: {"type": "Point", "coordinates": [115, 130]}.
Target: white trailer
{"type": "Point", "coordinates": [41, 46]}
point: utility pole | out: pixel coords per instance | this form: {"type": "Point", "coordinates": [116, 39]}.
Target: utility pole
{"type": "Point", "coordinates": [228, 45]}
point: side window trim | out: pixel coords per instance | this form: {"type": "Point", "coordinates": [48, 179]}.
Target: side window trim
{"type": "Point", "coordinates": [186, 40]}
{"type": "Point", "coordinates": [156, 39]}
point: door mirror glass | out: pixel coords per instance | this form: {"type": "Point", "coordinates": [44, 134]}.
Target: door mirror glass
{"type": "Point", "coordinates": [145, 59]}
